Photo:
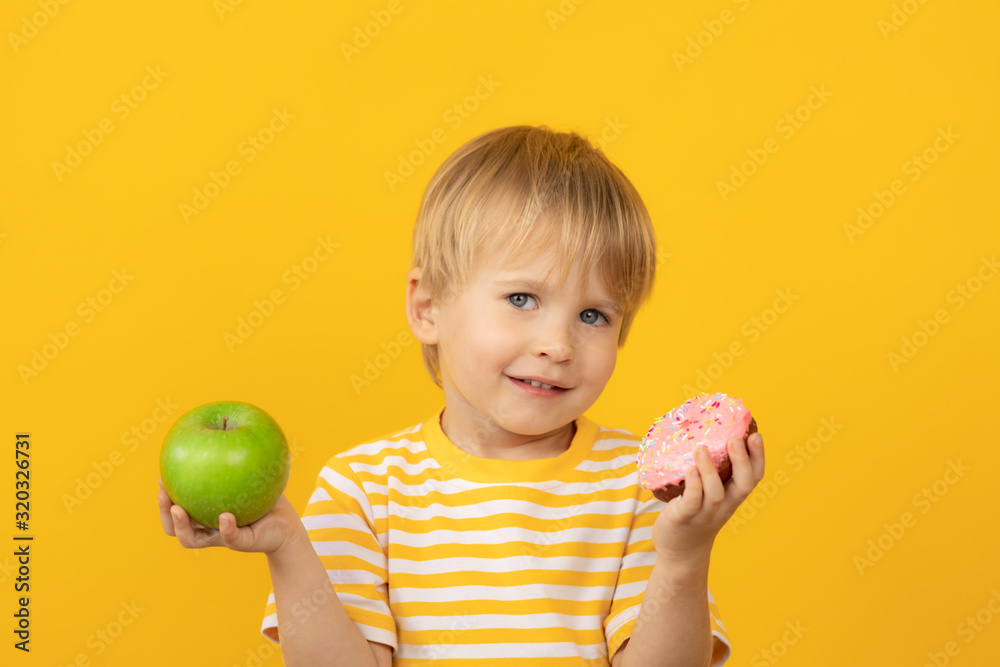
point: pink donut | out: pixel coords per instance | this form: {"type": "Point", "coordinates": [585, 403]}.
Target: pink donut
{"type": "Point", "coordinates": [709, 420]}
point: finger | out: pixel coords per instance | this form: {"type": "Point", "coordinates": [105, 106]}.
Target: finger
{"type": "Point", "coordinates": [710, 480]}
{"type": "Point", "coordinates": [755, 445]}
{"type": "Point", "coordinates": [188, 535]}
{"type": "Point", "coordinates": [165, 518]}
{"type": "Point", "coordinates": [182, 527]}
{"type": "Point", "coordinates": [743, 474]}
{"type": "Point", "coordinates": [690, 501]}
{"type": "Point", "coordinates": [232, 536]}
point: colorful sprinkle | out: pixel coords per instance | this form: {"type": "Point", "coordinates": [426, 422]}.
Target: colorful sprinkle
{"type": "Point", "coordinates": [674, 436]}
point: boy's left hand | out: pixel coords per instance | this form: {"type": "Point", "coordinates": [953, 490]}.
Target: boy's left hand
{"type": "Point", "coordinates": [687, 526]}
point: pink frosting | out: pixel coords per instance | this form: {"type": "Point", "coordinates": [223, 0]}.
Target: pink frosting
{"type": "Point", "coordinates": [709, 420]}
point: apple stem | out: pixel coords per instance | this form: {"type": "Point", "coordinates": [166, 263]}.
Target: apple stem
{"type": "Point", "coordinates": [224, 420]}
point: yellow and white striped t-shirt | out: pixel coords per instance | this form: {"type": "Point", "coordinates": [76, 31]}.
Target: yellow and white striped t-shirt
{"type": "Point", "coordinates": [487, 562]}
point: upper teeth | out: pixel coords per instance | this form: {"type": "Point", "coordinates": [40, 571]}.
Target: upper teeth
{"type": "Point", "coordinates": [536, 383]}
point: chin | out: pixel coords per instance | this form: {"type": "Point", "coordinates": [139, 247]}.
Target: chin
{"type": "Point", "coordinates": [543, 425]}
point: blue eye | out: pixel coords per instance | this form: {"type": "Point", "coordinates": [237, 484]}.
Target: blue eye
{"type": "Point", "coordinates": [520, 300]}
{"type": "Point", "coordinates": [591, 316]}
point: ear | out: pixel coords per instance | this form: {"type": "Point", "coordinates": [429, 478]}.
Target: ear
{"type": "Point", "coordinates": [420, 311]}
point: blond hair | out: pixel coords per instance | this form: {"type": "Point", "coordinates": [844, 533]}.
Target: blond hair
{"type": "Point", "coordinates": [497, 189]}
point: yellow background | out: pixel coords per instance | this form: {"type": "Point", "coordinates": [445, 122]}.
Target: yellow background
{"type": "Point", "coordinates": [676, 128]}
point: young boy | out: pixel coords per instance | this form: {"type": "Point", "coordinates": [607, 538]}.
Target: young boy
{"type": "Point", "coordinates": [508, 528]}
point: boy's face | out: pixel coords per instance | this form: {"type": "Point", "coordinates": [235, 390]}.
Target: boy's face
{"type": "Point", "coordinates": [511, 324]}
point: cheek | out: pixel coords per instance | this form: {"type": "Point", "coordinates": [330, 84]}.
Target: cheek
{"type": "Point", "coordinates": [609, 365]}
{"type": "Point", "coordinates": [497, 330]}
{"type": "Point", "coordinates": [603, 359]}
{"type": "Point", "coordinates": [482, 341]}
{"type": "Point", "coordinates": [496, 347]}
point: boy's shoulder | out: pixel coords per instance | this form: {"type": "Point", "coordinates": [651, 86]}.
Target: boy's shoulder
{"type": "Point", "coordinates": [612, 449]}
{"type": "Point", "coordinates": [373, 460]}
{"type": "Point", "coordinates": [410, 439]}
{"type": "Point", "coordinates": [608, 437]}
{"type": "Point", "coordinates": [607, 432]}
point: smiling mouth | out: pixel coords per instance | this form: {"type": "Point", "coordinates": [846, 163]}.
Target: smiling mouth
{"type": "Point", "coordinates": [536, 383]}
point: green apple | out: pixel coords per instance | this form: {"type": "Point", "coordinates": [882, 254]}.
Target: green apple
{"type": "Point", "coordinates": [225, 457]}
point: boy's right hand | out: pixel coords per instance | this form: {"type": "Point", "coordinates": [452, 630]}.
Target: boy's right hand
{"type": "Point", "coordinates": [266, 535]}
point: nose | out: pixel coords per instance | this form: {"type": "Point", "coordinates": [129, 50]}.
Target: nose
{"type": "Point", "coordinates": [555, 341]}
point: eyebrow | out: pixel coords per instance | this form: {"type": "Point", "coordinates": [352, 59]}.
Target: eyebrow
{"type": "Point", "coordinates": [535, 286]}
